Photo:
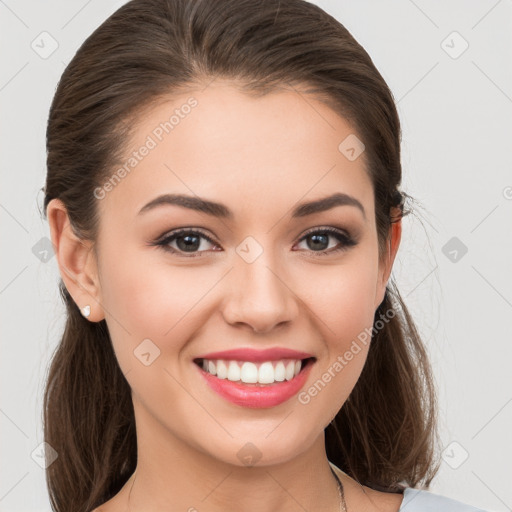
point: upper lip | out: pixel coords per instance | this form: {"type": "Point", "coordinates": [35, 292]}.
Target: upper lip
{"type": "Point", "coordinates": [250, 354]}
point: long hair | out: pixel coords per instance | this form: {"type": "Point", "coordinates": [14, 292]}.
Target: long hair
{"type": "Point", "coordinates": [385, 434]}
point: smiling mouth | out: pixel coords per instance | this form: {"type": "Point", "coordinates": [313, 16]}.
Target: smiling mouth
{"type": "Point", "coordinates": [277, 375]}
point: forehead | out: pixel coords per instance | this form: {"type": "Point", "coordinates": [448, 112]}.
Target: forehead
{"type": "Point", "coordinates": [257, 155]}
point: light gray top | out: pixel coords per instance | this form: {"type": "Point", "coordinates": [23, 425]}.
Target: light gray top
{"type": "Point", "coordinates": [418, 500]}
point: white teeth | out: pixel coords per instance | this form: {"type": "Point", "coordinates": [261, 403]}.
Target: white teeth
{"type": "Point", "coordinates": [290, 370]}
{"type": "Point", "coordinates": [211, 367]}
{"type": "Point", "coordinates": [222, 369]}
{"type": "Point", "coordinates": [233, 371]}
{"type": "Point", "coordinates": [248, 372]}
{"type": "Point", "coordinates": [266, 373]}
{"type": "Point", "coordinates": [280, 372]}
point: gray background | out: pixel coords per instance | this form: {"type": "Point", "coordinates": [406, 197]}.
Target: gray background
{"type": "Point", "coordinates": [455, 107]}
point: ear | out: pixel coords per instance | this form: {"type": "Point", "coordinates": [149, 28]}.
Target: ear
{"type": "Point", "coordinates": [76, 260]}
{"type": "Point", "coordinates": [386, 265]}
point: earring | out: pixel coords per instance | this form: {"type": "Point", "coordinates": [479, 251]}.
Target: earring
{"type": "Point", "coordinates": [86, 311]}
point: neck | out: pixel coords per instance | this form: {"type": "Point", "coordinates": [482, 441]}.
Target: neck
{"type": "Point", "coordinates": [172, 474]}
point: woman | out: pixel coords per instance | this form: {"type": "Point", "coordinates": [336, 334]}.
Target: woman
{"type": "Point", "coordinates": [223, 199]}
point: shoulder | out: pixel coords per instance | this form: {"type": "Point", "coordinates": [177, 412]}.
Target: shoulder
{"type": "Point", "coordinates": [419, 500]}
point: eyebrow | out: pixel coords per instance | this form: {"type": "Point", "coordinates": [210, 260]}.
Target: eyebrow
{"type": "Point", "coordinates": [222, 211]}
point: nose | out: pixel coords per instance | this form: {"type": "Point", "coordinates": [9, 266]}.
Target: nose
{"type": "Point", "coordinates": [259, 296]}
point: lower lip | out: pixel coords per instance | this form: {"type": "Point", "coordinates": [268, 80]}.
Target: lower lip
{"type": "Point", "coordinates": [257, 396]}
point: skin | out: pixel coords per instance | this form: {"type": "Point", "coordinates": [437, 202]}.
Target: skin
{"type": "Point", "coordinates": [260, 157]}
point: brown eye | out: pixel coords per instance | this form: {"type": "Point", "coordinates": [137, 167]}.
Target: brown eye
{"type": "Point", "coordinates": [187, 241]}
{"type": "Point", "coordinates": [317, 241]}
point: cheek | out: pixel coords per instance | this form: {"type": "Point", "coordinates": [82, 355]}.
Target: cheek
{"type": "Point", "coordinates": [343, 297]}
{"type": "Point", "coordinates": [145, 299]}
{"type": "Point", "coordinates": [342, 301]}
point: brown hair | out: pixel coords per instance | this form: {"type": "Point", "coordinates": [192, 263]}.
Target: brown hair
{"type": "Point", "coordinates": [385, 434]}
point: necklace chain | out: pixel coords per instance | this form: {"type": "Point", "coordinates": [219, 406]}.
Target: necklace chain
{"type": "Point", "coordinates": [343, 504]}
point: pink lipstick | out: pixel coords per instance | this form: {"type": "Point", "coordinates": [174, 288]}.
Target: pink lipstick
{"type": "Point", "coordinates": [257, 395]}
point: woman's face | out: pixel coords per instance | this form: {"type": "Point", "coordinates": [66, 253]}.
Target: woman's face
{"type": "Point", "coordinates": [248, 279]}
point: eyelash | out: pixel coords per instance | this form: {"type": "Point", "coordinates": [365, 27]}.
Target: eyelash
{"type": "Point", "coordinates": [346, 241]}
